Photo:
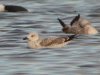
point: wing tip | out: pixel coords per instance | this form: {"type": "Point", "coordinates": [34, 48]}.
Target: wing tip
{"type": "Point", "coordinates": [61, 22]}
{"type": "Point", "coordinates": [76, 18]}
{"type": "Point", "coordinates": [71, 37]}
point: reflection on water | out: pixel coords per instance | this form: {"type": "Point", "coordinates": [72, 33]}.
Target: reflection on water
{"type": "Point", "coordinates": [81, 57]}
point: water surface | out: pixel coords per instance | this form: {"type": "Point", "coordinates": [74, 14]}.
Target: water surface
{"type": "Point", "coordinates": [81, 57]}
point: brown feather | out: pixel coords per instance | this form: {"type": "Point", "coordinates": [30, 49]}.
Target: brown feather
{"type": "Point", "coordinates": [51, 41]}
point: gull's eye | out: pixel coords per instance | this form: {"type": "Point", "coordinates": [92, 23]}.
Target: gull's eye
{"type": "Point", "coordinates": [32, 35]}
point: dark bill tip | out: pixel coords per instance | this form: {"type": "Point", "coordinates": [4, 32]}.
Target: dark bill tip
{"type": "Point", "coordinates": [25, 38]}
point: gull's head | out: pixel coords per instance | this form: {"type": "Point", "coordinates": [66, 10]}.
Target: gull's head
{"type": "Point", "coordinates": [2, 7]}
{"type": "Point", "coordinates": [32, 37]}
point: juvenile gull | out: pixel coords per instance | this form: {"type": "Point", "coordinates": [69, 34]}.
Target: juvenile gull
{"type": "Point", "coordinates": [78, 25]}
{"type": "Point", "coordinates": [12, 8]}
{"type": "Point", "coordinates": [34, 41]}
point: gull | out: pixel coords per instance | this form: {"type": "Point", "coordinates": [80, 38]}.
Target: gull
{"type": "Point", "coordinates": [34, 41]}
{"type": "Point", "coordinates": [78, 25]}
{"type": "Point", "coordinates": [12, 8]}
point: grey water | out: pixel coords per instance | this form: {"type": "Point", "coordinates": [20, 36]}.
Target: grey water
{"type": "Point", "coordinates": [80, 57]}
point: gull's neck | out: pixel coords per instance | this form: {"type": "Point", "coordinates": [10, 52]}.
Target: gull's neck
{"type": "Point", "coordinates": [34, 44]}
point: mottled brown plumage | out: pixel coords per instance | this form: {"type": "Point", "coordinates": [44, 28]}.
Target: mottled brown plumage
{"type": "Point", "coordinates": [34, 41]}
{"type": "Point", "coordinates": [78, 25]}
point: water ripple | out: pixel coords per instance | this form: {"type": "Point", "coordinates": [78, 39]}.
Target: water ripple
{"type": "Point", "coordinates": [80, 57]}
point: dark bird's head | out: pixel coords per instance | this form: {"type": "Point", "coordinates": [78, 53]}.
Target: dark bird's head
{"type": "Point", "coordinates": [14, 8]}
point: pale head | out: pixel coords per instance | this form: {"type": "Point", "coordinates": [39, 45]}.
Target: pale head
{"type": "Point", "coordinates": [33, 36]}
{"type": "Point", "coordinates": [2, 7]}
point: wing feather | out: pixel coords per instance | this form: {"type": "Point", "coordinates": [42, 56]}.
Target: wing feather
{"type": "Point", "coordinates": [52, 41]}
